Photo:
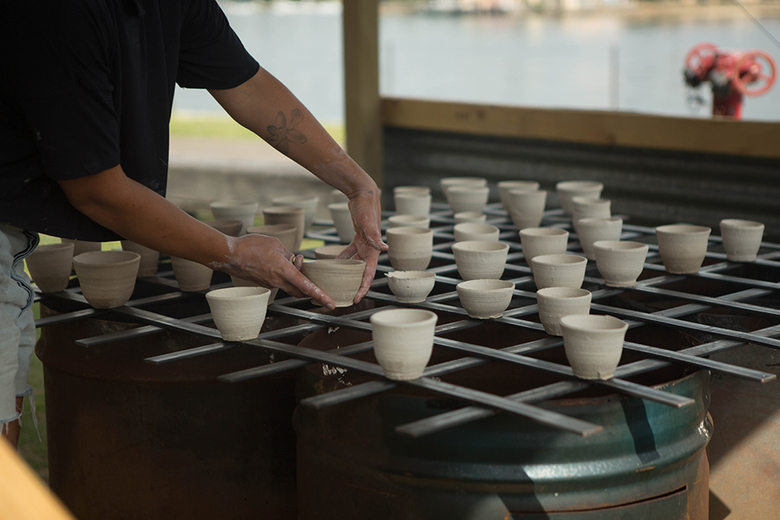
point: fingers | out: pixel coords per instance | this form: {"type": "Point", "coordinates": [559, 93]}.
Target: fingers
{"type": "Point", "coordinates": [296, 284]}
{"type": "Point", "coordinates": [368, 275]}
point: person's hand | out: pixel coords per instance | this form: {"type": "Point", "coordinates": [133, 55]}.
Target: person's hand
{"type": "Point", "coordinates": [367, 245]}
{"type": "Point", "coordinates": [264, 260]}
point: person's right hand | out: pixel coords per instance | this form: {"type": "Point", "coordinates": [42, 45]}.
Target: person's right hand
{"type": "Point", "coordinates": [264, 260]}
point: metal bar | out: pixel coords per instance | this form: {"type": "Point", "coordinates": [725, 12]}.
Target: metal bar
{"type": "Point", "coordinates": [67, 317]}
{"type": "Point", "coordinates": [137, 332]}
{"type": "Point", "coordinates": [191, 352]}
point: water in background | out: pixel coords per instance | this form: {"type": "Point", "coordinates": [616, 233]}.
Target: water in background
{"type": "Point", "coordinates": [505, 60]}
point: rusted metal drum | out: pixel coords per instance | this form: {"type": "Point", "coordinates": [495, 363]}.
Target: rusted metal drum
{"type": "Point", "coordinates": [649, 462]}
{"type": "Point", "coordinates": [133, 440]}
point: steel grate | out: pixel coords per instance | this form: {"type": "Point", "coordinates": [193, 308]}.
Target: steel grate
{"type": "Point", "coordinates": [745, 290]}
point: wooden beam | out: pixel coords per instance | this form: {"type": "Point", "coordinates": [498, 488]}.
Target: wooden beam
{"type": "Point", "coordinates": [361, 85]}
{"type": "Point", "coordinates": [624, 129]}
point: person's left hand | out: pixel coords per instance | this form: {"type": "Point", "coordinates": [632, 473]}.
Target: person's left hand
{"type": "Point", "coordinates": [367, 245]}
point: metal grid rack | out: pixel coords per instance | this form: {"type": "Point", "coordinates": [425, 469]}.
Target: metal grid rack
{"type": "Point", "coordinates": [728, 285]}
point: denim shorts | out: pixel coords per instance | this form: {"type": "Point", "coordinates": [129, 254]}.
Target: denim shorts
{"type": "Point", "coordinates": [17, 324]}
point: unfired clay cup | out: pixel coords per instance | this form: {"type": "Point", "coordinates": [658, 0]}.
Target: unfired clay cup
{"type": "Point", "coordinates": [559, 270]}
{"type": "Point", "coordinates": [425, 190]}
{"type": "Point", "coordinates": [291, 215]}
{"type": "Point", "coordinates": [149, 257]}
{"type": "Point", "coordinates": [538, 241]}
{"type": "Point", "coordinates": [526, 208]}
{"type": "Point", "coordinates": [409, 248]}
{"type": "Point", "coordinates": [191, 276]}
{"type": "Point", "coordinates": [339, 279]}
{"type": "Point", "coordinates": [107, 278]}
{"type": "Point", "coordinates": [238, 312]}
{"type": "Point", "coordinates": [480, 259]}
{"type": "Point", "coordinates": [741, 239]}
{"type": "Point", "coordinates": [467, 197]}
{"type": "Point", "coordinates": [403, 341]}
{"type": "Point", "coordinates": [83, 246]}
{"type": "Point", "coordinates": [470, 231]}
{"type": "Point", "coordinates": [411, 286]}
{"type": "Point", "coordinates": [593, 344]}
{"type": "Point", "coordinates": [49, 266]}
{"type": "Point", "coordinates": [408, 220]}
{"type": "Point", "coordinates": [412, 203]}
{"type": "Point", "coordinates": [231, 228]}
{"type": "Point", "coordinates": [308, 203]}
{"type": "Point", "coordinates": [620, 262]}
{"type": "Point", "coordinates": [485, 299]}
{"type": "Point", "coordinates": [556, 302]}
{"type": "Point", "coordinates": [584, 207]}
{"type": "Point", "coordinates": [682, 247]}
{"type": "Point", "coordinates": [592, 230]}
{"type": "Point", "coordinates": [328, 252]}
{"type": "Point", "coordinates": [569, 189]}
{"type": "Point", "coordinates": [476, 217]}
{"type": "Point", "coordinates": [505, 186]}
{"type": "Point", "coordinates": [243, 210]}
{"type": "Point", "coordinates": [448, 182]}
{"type": "Point", "coordinates": [342, 220]}
{"type": "Point", "coordinates": [287, 234]}
{"type": "Point", "coordinates": [240, 282]}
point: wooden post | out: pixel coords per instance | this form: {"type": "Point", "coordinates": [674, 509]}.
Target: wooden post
{"type": "Point", "coordinates": [361, 85]}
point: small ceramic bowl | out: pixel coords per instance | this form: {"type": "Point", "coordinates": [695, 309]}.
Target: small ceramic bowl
{"type": "Point", "coordinates": [409, 248]}
{"type": "Point", "coordinates": [339, 279]}
{"type": "Point", "coordinates": [107, 278]}
{"type": "Point", "coordinates": [741, 239]}
{"type": "Point", "coordinates": [463, 197]}
{"type": "Point", "coordinates": [480, 259]}
{"type": "Point", "coordinates": [593, 344]}
{"type": "Point", "coordinates": [408, 220]}
{"type": "Point", "coordinates": [538, 241]}
{"type": "Point", "coordinates": [682, 247]}
{"type": "Point", "coordinates": [559, 270]}
{"type": "Point", "coordinates": [403, 341]}
{"type": "Point", "coordinates": [328, 252]}
{"type": "Point", "coordinates": [569, 189]}
{"type": "Point", "coordinates": [471, 231]}
{"type": "Point", "coordinates": [150, 258]}
{"type": "Point", "coordinates": [620, 262]}
{"type": "Point", "coordinates": [505, 186]}
{"type": "Point", "coordinates": [238, 312]}
{"type": "Point", "coordinates": [191, 276]}
{"type": "Point", "coordinates": [49, 266]}
{"type": "Point", "coordinates": [285, 233]}
{"type": "Point", "coordinates": [411, 286]}
{"type": "Point", "coordinates": [485, 299]}
{"type": "Point", "coordinates": [556, 302]}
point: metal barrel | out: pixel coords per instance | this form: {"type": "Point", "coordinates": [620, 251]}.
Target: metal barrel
{"type": "Point", "coordinates": [648, 462]}
{"type": "Point", "coordinates": [130, 440]}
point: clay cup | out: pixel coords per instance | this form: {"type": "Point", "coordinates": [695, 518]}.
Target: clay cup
{"type": "Point", "coordinates": [409, 248]}
{"type": "Point", "coordinates": [287, 234]}
{"type": "Point", "coordinates": [342, 221]}
{"type": "Point", "coordinates": [471, 231]}
{"type": "Point", "coordinates": [592, 230]}
{"type": "Point", "coordinates": [469, 216]}
{"type": "Point", "coordinates": [339, 279]}
{"type": "Point", "coordinates": [620, 262]}
{"type": "Point", "coordinates": [107, 278]}
{"type": "Point", "coordinates": [466, 197]}
{"type": "Point", "coordinates": [485, 299]}
{"type": "Point", "coordinates": [412, 203]}
{"type": "Point", "coordinates": [526, 208]}
{"type": "Point", "coordinates": [480, 259]}
{"type": "Point", "coordinates": [538, 241]}
{"type": "Point", "coordinates": [49, 266]}
{"type": "Point", "coordinates": [309, 205]}
{"type": "Point", "coordinates": [408, 220]}
{"type": "Point", "coordinates": [505, 186]}
{"type": "Point", "coordinates": [556, 302]}
{"type": "Point", "coordinates": [292, 215]}
{"type": "Point", "coordinates": [238, 312]}
{"type": "Point", "coordinates": [411, 286]}
{"type": "Point", "coordinates": [243, 210]}
{"type": "Point", "coordinates": [593, 344]}
{"type": "Point", "coordinates": [682, 247]}
{"type": "Point", "coordinates": [191, 276]}
{"type": "Point", "coordinates": [567, 190]}
{"type": "Point", "coordinates": [741, 239]}
{"type": "Point", "coordinates": [561, 270]}
{"type": "Point", "coordinates": [150, 258]}
{"type": "Point", "coordinates": [403, 341]}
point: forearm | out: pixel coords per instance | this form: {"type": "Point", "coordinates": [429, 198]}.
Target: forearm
{"type": "Point", "coordinates": [266, 107]}
{"type": "Point", "coordinates": [141, 215]}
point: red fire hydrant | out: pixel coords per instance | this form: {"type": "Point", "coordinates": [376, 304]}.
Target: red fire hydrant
{"type": "Point", "coordinates": [732, 76]}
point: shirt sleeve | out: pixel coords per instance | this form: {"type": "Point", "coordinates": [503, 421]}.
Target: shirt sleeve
{"type": "Point", "coordinates": [211, 54]}
{"type": "Point", "coordinates": [65, 90]}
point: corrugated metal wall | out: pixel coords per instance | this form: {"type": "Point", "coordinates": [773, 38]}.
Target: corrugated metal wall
{"type": "Point", "coordinates": [652, 187]}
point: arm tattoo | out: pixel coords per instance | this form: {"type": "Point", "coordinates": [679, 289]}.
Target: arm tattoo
{"type": "Point", "coordinates": [281, 133]}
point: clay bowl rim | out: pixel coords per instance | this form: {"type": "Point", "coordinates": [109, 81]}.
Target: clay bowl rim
{"type": "Point", "coordinates": [543, 232]}
{"type": "Point", "coordinates": [683, 229]}
{"type": "Point", "coordinates": [573, 186]}
{"type": "Point", "coordinates": [327, 249]}
{"type": "Point", "coordinates": [478, 286]}
{"type": "Point", "coordinates": [409, 231]}
{"type": "Point", "coordinates": [476, 217]}
{"type": "Point", "coordinates": [401, 317]}
{"type": "Point", "coordinates": [411, 189]}
{"type": "Point", "coordinates": [562, 292]}
{"type": "Point", "coordinates": [230, 293]}
{"type": "Point", "coordinates": [447, 182]}
{"type": "Point", "coordinates": [593, 322]}
{"type": "Point", "coordinates": [618, 246]}
{"type": "Point", "coordinates": [739, 224]}
{"type": "Point", "coordinates": [481, 246]}
{"type": "Point", "coordinates": [411, 275]}
{"type": "Point", "coordinates": [560, 259]}
{"type": "Point", "coordinates": [85, 259]}
{"type": "Point", "coordinates": [479, 228]}
{"type": "Point", "coordinates": [419, 218]}
{"type": "Point", "coordinates": [517, 185]}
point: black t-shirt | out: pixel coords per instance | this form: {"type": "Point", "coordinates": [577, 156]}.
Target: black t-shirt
{"type": "Point", "coordinates": [88, 84]}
